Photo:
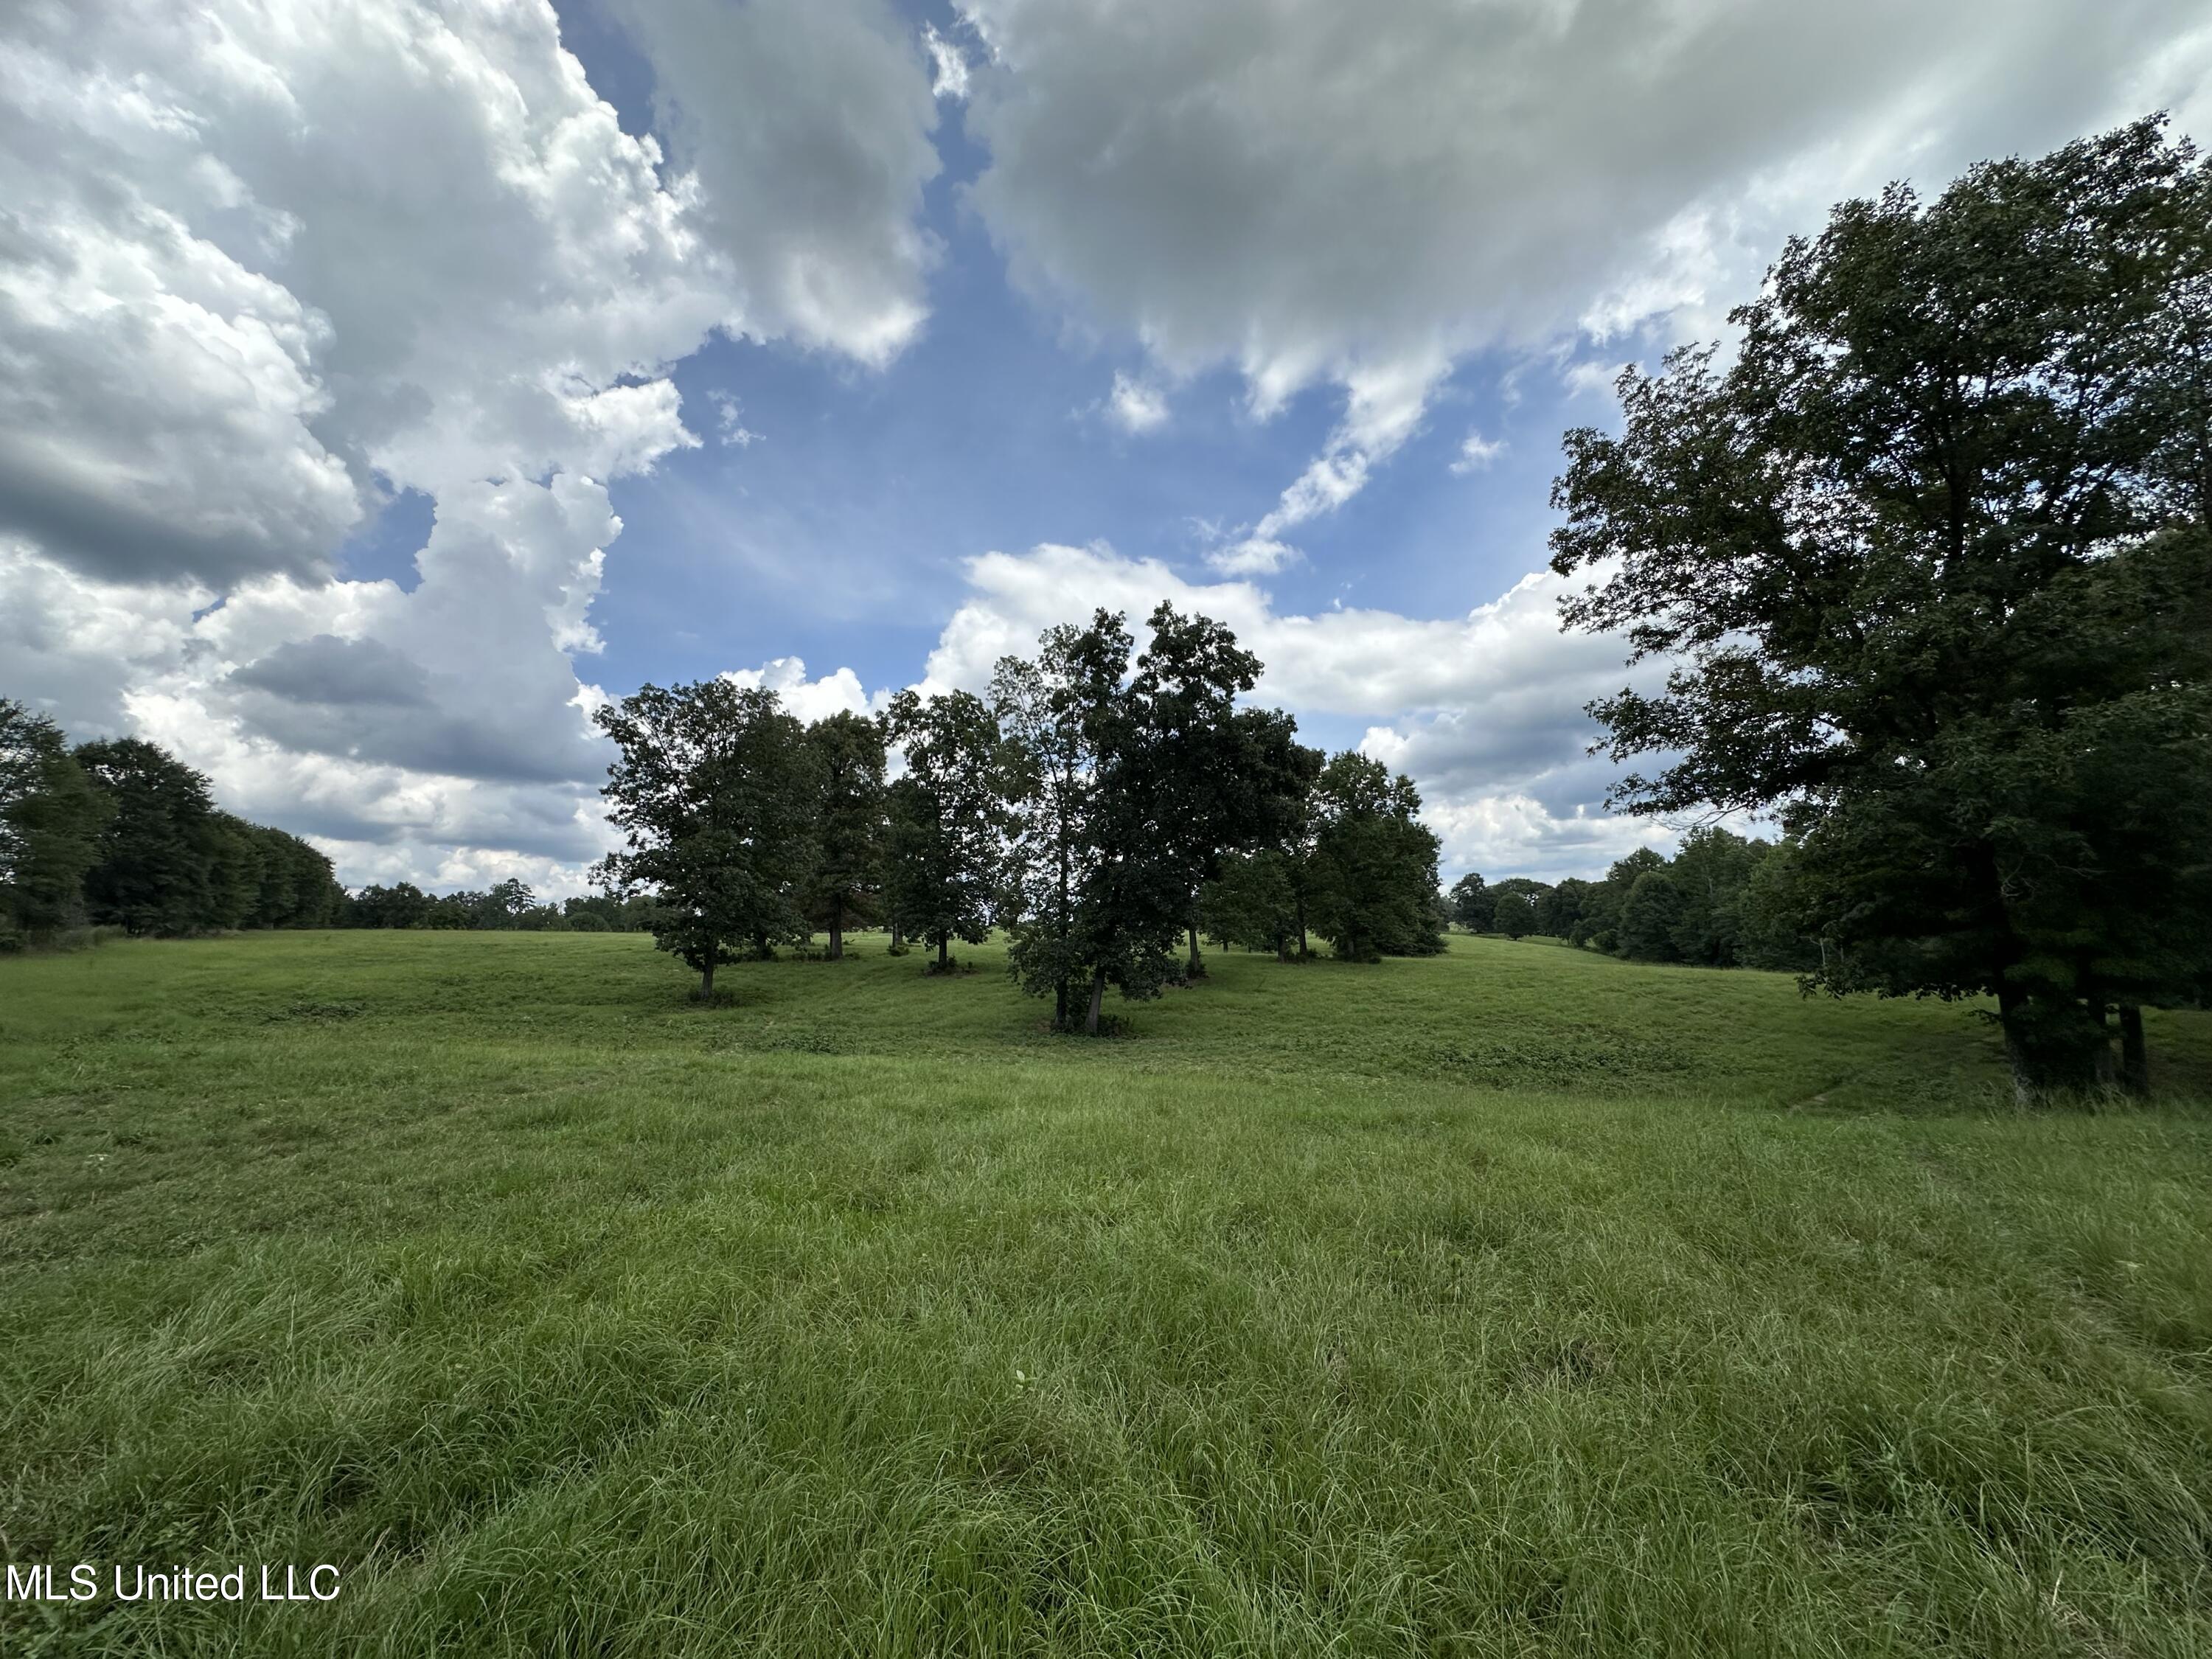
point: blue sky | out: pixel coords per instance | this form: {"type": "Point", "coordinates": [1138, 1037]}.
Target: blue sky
{"type": "Point", "coordinates": [839, 534]}
{"type": "Point", "coordinates": [382, 387]}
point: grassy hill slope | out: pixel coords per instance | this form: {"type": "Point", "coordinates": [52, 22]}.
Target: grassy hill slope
{"type": "Point", "coordinates": [1517, 1301]}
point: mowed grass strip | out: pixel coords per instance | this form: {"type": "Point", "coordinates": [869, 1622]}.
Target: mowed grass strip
{"type": "Point", "coordinates": [1519, 1302]}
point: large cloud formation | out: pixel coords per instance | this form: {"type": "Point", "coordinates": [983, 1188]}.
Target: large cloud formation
{"type": "Point", "coordinates": [265, 266]}
{"type": "Point", "coordinates": [1318, 192]}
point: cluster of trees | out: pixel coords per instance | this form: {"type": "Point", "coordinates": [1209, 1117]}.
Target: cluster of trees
{"type": "Point", "coordinates": [510, 906]}
{"type": "Point", "coordinates": [1345, 866]}
{"type": "Point", "coordinates": [1723, 900]}
{"type": "Point", "coordinates": [1101, 805]}
{"type": "Point", "coordinates": [120, 832]}
{"type": "Point", "coordinates": [1929, 557]}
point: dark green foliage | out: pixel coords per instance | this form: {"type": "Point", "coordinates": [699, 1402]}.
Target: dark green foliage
{"type": "Point", "coordinates": [1931, 556]}
{"type": "Point", "coordinates": [1375, 865]}
{"type": "Point", "coordinates": [1709, 875]}
{"type": "Point", "coordinates": [1208, 769]}
{"type": "Point", "coordinates": [123, 834]}
{"type": "Point", "coordinates": [849, 825]}
{"type": "Point", "coordinates": [1051, 715]}
{"type": "Point", "coordinates": [1560, 912]}
{"type": "Point", "coordinates": [507, 904]}
{"type": "Point", "coordinates": [1512, 914]}
{"type": "Point", "coordinates": [1253, 902]}
{"type": "Point", "coordinates": [1599, 923]}
{"type": "Point", "coordinates": [170, 863]}
{"type": "Point", "coordinates": [946, 819]}
{"type": "Point", "coordinates": [1132, 892]}
{"type": "Point", "coordinates": [1650, 917]}
{"type": "Point", "coordinates": [295, 886]}
{"type": "Point", "coordinates": [510, 906]}
{"type": "Point", "coordinates": [712, 791]}
{"type": "Point", "coordinates": [599, 913]}
{"type": "Point", "coordinates": [1129, 792]}
{"type": "Point", "coordinates": [1519, 905]}
{"type": "Point", "coordinates": [51, 820]}
{"type": "Point", "coordinates": [157, 870]}
{"type": "Point", "coordinates": [1722, 901]}
{"type": "Point", "coordinates": [1774, 928]}
{"type": "Point", "coordinates": [403, 904]}
{"type": "Point", "coordinates": [1473, 906]}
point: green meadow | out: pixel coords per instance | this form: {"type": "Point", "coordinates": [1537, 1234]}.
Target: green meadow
{"type": "Point", "coordinates": [1516, 1302]}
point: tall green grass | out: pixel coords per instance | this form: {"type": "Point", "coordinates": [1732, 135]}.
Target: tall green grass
{"type": "Point", "coordinates": [1518, 1302]}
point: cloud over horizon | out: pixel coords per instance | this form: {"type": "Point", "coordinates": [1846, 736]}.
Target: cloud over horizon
{"type": "Point", "coordinates": [338, 345]}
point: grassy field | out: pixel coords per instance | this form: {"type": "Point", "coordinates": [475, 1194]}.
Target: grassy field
{"type": "Point", "coordinates": [1520, 1302]}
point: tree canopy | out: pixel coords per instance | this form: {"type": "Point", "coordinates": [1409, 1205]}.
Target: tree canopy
{"type": "Point", "coordinates": [712, 791]}
{"type": "Point", "coordinates": [1929, 559]}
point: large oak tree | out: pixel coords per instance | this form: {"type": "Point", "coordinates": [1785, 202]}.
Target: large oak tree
{"type": "Point", "coordinates": [1928, 557]}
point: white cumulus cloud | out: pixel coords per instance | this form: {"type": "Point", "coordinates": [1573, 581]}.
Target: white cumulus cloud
{"type": "Point", "coordinates": [1318, 193]}
{"type": "Point", "coordinates": [266, 263]}
{"type": "Point", "coordinates": [1136, 405]}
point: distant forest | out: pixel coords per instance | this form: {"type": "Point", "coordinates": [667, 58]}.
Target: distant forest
{"type": "Point", "coordinates": [1723, 900]}
{"type": "Point", "coordinates": [122, 833]}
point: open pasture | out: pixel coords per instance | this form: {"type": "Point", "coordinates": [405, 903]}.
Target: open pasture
{"type": "Point", "coordinates": [1515, 1302]}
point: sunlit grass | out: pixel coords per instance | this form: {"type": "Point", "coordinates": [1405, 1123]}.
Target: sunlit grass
{"type": "Point", "coordinates": [1517, 1301]}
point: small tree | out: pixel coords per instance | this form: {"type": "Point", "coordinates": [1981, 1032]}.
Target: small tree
{"type": "Point", "coordinates": [1049, 713]}
{"type": "Point", "coordinates": [1376, 864]}
{"type": "Point", "coordinates": [1513, 914]}
{"type": "Point", "coordinates": [946, 819]}
{"type": "Point", "coordinates": [1473, 906]}
{"type": "Point", "coordinates": [711, 789]}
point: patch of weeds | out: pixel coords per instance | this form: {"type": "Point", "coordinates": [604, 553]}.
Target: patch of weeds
{"type": "Point", "coordinates": [810, 1041]}
{"type": "Point", "coordinates": [314, 1013]}
{"type": "Point", "coordinates": [1573, 1365]}
{"type": "Point", "coordinates": [1559, 1058]}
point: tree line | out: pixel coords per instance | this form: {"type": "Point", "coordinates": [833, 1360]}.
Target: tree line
{"type": "Point", "coordinates": [120, 832]}
{"type": "Point", "coordinates": [1103, 804]}
{"type": "Point", "coordinates": [510, 906]}
{"type": "Point", "coordinates": [1928, 558]}
{"type": "Point", "coordinates": [1723, 900]}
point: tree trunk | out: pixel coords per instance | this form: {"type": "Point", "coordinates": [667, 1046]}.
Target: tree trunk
{"type": "Point", "coordinates": [2026, 1085]}
{"type": "Point", "coordinates": [1060, 1006]}
{"type": "Point", "coordinates": [707, 974]}
{"type": "Point", "coordinates": [898, 934]}
{"type": "Point", "coordinates": [1097, 998]}
{"type": "Point", "coordinates": [2046, 1058]}
{"type": "Point", "coordinates": [944, 946]}
{"type": "Point", "coordinates": [1197, 968]}
{"type": "Point", "coordinates": [1304, 950]}
{"type": "Point", "coordinates": [2106, 1072]}
{"type": "Point", "coordinates": [2134, 1058]}
{"type": "Point", "coordinates": [837, 929]}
